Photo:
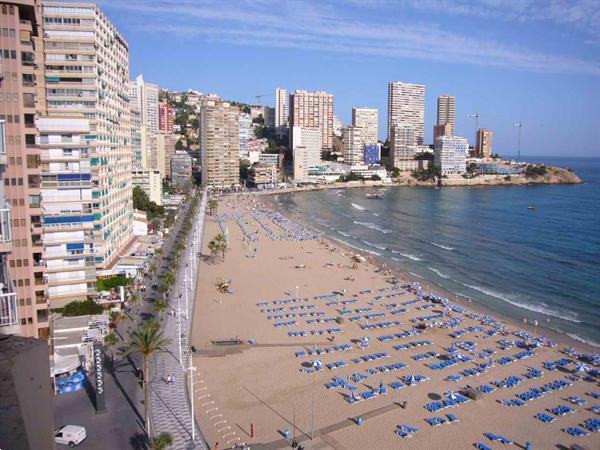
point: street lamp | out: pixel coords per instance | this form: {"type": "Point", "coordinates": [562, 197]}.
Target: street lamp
{"type": "Point", "coordinates": [519, 125]}
{"type": "Point", "coordinates": [191, 368]}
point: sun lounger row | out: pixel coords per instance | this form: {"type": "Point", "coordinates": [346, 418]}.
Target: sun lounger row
{"type": "Point", "coordinates": [371, 357]}
{"type": "Point", "coordinates": [297, 333]}
{"type": "Point", "coordinates": [325, 296]}
{"type": "Point", "coordinates": [336, 365]}
{"type": "Point", "coordinates": [297, 307]}
{"type": "Point", "coordinates": [437, 421]}
{"type": "Point", "coordinates": [426, 318]}
{"type": "Point", "coordinates": [387, 368]}
{"type": "Point", "coordinates": [508, 382]}
{"type": "Point", "coordinates": [409, 345]}
{"type": "Point", "coordinates": [595, 395]}
{"type": "Point", "coordinates": [405, 334]}
{"type": "Point", "coordinates": [454, 378]}
{"type": "Point", "coordinates": [405, 431]}
{"type": "Point", "coordinates": [533, 373]}
{"type": "Point", "coordinates": [322, 351]}
{"type": "Point", "coordinates": [395, 312]}
{"type": "Point", "coordinates": [328, 320]}
{"type": "Point", "coordinates": [425, 355]}
{"type": "Point", "coordinates": [577, 400]}
{"type": "Point", "coordinates": [379, 325]}
{"type": "Point", "coordinates": [413, 380]}
{"type": "Point", "coordinates": [291, 323]}
{"type": "Point", "coordinates": [443, 365]}
{"type": "Point", "coordinates": [536, 392]}
{"type": "Point", "coordinates": [292, 315]}
{"type": "Point", "coordinates": [505, 360]}
{"type": "Point", "coordinates": [553, 365]}
{"type": "Point", "coordinates": [327, 331]}
{"type": "Point", "coordinates": [473, 372]}
{"type": "Point", "coordinates": [524, 354]}
{"type": "Point", "coordinates": [368, 395]}
{"type": "Point", "coordinates": [486, 388]}
{"type": "Point", "coordinates": [592, 425]}
{"type": "Point", "coordinates": [562, 410]}
{"type": "Point", "coordinates": [427, 306]}
{"type": "Point", "coordinates": [546, 418]}
{"type": "Point", "coordinates": [443, 404]}
{"type": "Point", "coordinates": [290, 300]}
{"type": "Point", "coordinates": [273, 310]}
{"type": "Point", "coordinates": [576, 432]}
{"type": "Point", "coordinates": [498, 438]}
{"type": "Point", "coordinates": [512, 402]}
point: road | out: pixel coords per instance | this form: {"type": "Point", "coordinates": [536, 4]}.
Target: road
{"type": "Point", "coordinates": [122, 426]}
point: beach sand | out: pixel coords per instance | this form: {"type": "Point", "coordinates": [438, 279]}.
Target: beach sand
{"type": "Point", "coordinates": [263, 385]}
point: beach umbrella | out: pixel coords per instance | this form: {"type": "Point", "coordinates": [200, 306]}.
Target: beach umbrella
{"type": "Point", "coordinates": [317, 364]}
{"type": "Point", "coordinates": [381, 385]}
{"type": "Point", "coordinates": [410, 380]}
{"type": "Point", "coordinates": [582, 368]}
{"type": "Point", "coordinates": [451, 395]}
{"type": "Point", "coordinates": [354, 396]}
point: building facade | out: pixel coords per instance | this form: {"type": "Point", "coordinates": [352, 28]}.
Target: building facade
{"type": "Point", "coordinates": [402, 144]}
{"type": "Point", "coordinates": [166, 117]}
{"type": "Point", "coordinates": [313, 110]}
{"type": "Point", "coordinates": [450, 154]}
{"type": "Point", "coordinates": [442, 130]}
{"type": "Point", "coordinates": [181, 169]}
{"type": "Point", "coordinates": [306, 150]}
{"type": "Point", "coordinates": [282, 111]}
{"type": "Point", "coordinates": [144, 96]}
{"type": "Point", "coordinates": [372, 154]}
{"type": "Point", "coordinates": [220, 144]}
{"type": "Point", "coordinates": [245, 126]}
{"type": "Point", "coordinates": [353, 139]}
{"type": "Point", "coordinates": [446, 111]}
{"type": "Point", "coordinates": [406, 108]}
{"type": "Point", "coordinates": [21, 83]}
{"type": "Point", "coordinates": [484, 149]}
{"type": "Point", "coordinates": [150, 181]}
{"type": "Point", "coordinates": [87, 77]}
{"type": "Point", "coordinates": [261, 175]}
{"type": "Point", "coordinates": [368, 120]}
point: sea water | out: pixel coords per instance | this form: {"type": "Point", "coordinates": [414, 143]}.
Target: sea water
{"type": "Point", "coordinates": [483, 242]}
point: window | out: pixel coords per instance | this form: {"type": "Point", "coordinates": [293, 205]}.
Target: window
{"type": "Point", "coordinates": [28, 100]}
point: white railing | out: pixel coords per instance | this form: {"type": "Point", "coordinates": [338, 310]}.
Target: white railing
{"type": "Point", "coordinates": [9, 313]}
{"type": "Point", "coordinates": [5, 235]}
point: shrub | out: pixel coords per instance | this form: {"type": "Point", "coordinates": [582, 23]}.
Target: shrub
{"type": "Point", "coordinates": [81, 308]}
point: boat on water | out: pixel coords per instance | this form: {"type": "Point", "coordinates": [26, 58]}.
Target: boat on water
{"type": "Point", "coordinates": [531, 208]}
{"type": "Point", "coordinates": [375, 194]}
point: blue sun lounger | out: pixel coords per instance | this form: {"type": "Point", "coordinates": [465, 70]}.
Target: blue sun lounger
{"type": "Point", "coordinates": [481, 446]}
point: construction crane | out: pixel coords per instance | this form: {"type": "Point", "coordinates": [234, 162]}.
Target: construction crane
{"type": "Point", "coordinates": [258, 97]}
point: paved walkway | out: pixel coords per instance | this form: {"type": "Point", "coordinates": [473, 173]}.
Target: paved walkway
{"type": "Point", "coordinates": [170, 407]}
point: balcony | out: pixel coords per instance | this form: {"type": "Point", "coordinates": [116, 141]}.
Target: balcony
{"type": "Point", "coordinates": [5, 234]}
{"type": "Point", "coordinates": [9, 313]}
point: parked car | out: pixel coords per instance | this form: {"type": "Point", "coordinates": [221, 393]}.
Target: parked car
{"type": "Point", "coordinates": [70, 435]}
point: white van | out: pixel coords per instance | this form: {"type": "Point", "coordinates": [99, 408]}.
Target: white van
{"type": "Point", "coordinates": [71, 435]}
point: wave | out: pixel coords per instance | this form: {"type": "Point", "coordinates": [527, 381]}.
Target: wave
{"type": "Point", "coordinates": [416, 275]}
{"type": "Point", "coordinates": [339, 191]}
{"type": "Point", "coordinates": [443, 275]}
{"type": "Point", "coordinates": [380, 247]}
{"type": "Point", "coordinates": [372, 226]}
{"type": "Point", "coordinates": [376, 215]}
{"type": "Point", "coordinates": [580, 339]}
{"type": "Point", "coordinates": [541, 308]}
{"type": "Point", "coordinates": [360, 208]}
{"type": "Point", "coordinates": [407, 255]}
{"type": "Point", "coordinates": [371, 252]}
{"type": "Point", "coordinates": [445, 247]}
{"type": "Point", "coordinates": [344, 234]}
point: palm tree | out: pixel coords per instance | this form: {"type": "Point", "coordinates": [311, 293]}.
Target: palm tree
{"type": "Point", "coordinates": [162, 441]}
{"type": "Point", "coordinates": [222, 286]}
{"type": "Point", "coordinates": [221, 242]}
{"type": "Point", "coordinates": [213, 249]}
{"type": "Point", "coordinates": [147, 340]}
{"type": "Point", "coordinates": [110, 340]}
{"type": "Point", "coordinates": [160, 306]}
{"type": "Point", "coordinates": [213, 204]}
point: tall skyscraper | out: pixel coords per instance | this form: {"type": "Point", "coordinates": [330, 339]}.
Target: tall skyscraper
{"type": "Point", "coordinates": [306, 150]}
{"type": "Point", "coordinates": [220, 143]}
{"type": "Point", "coordinates": [313, 110]}
{"type": "Point", "coordinates": [368, 120]}
{"type": "Point", "coordinates": [446, 111]}
{"type": "Point", "coordinates": [450, 154]}
{"type": "Point", "coordinates": [22, 81]}
{"type": "Point", "coordinates": [403, 144]}
{"type": "Point", "coordinates": [87, 80]}
{"type": "Point", "coordinates": [406, 107]}
{"type": "Point", "coordinates": [483, 149]}
{"type": "Point", "coordinates": [144, 96]}
{"type": "Point", "coordinates": [282, 111]}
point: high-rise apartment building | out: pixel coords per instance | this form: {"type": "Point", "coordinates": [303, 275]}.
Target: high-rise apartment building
{"type": "Point", "coordinates": [450, 154]}
{"type": "Point", "coordinates": [245, 126]}
{"type": "Point", "coordinates": [282, 111]}
{"type": "Point", "coordinates": [220, 143]}
{"type": "Point", "coordinates": [22, 81]}
{"type": "Point", "coordinates": [483, 148]}
{"type": "Point", "coordinates": [313, 110]}
{"type": "Point", "coordinates": [87, 79]}
{"type": "Point", "coordinates": [149, 180]}
{"type": "Point", "coordinates": [181, 169]}
{"type": "Point", "coordinates": [166, 117]}
{"type": "Point", "coordinates": [406, 108]}
{"type": "Point", "coordinates": [144, 96]}
{"type": "Point", "coordinates": [368, 120]}
{"type": "Point", "coordinates": [9, 310]}
{"type": "Point", "coordinates": [446, 111]}
{"type": "Point", "coordinates": [139, 152]}
{"type": "Point", "coordinates": [402, 144]}
{"type": "Point", "coordinates": [442, 130]}
{"type": "Point", "coordinates": [306, 151]}
{"type": "Point", "coordinates": [165, 148]}
{"type": "Point", "coordinates": [354, 144]}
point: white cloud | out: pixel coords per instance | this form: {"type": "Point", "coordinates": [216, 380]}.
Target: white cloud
{"type": "Point", "coordinates": [329, 28]}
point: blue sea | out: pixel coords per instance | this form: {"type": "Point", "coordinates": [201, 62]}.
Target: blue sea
{"type": "Point", "coordinates": [483, 242]}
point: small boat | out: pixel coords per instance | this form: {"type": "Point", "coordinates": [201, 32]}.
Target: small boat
{"type": "Point", "coordinates": [531, 208]}
{"type": "Point", "coordinates": [375, 194]}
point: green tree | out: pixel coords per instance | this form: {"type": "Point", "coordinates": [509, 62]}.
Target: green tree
{"type": "Point", "coordinates": [375, 177]}
{"type": "Point", "coordinates": [244, 169]}
{"type": "Point", "coordinates": [160, 306]}
{"type": "Point", "coordinates": [148, 341]}
{"type": "Point", "coordinates": [221, 244]}
{"type": "Point", "coordinates": [110, 340]}
{"type": "Point", "coordinates": [395, 172]}
{"type": "Point", "coordinates": [179, 145]}
{"type": "Point", "coordinates": [143, 203]}
{"type": "Point", "coordinates": [87, 307]}
{"type": "Point", "coordinates": [161, 442]}
{"type": "Point", "coordinates": [213, 248]}
{"type": "Point", "coordinates": [213, 205]}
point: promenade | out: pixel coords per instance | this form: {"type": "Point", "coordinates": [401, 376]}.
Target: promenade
{"type": "Point", "coordinates": [170, 406]}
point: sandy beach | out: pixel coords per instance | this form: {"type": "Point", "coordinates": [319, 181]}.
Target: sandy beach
{"type": "Point", "coordinates": [265, 386]}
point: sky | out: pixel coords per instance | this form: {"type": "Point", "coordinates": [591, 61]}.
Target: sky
{"type": "Point", "coordinates": [536, 62]}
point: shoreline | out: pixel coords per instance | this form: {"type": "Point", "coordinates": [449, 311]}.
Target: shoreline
{"type": "Point", "coordinates": [559, 338]}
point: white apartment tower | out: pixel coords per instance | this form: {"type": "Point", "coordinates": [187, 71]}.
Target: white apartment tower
{"type": "Point", "coordinates": [144, 97]}
{"type": "Point", "coordinates": [313, 110]}
{"type": "Point", "coordinates": [282, 111]}
{"type": "Point", "coordinates": [446, 111]}
{"type": "Point", "coordinates": [406, 107]}
{"type": "Point", "coordinates": [402, 144]}
{"type": "Point", "coordinates": [368, 120]}
{"type": "Point", "coordinates": [220, 144]}
{"type": "Point", "coordinates": [87, 80]}
{"type": "Point", "coordinates": [450, 154]}
{"type": "Point", "coordinates": [306, 150]}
